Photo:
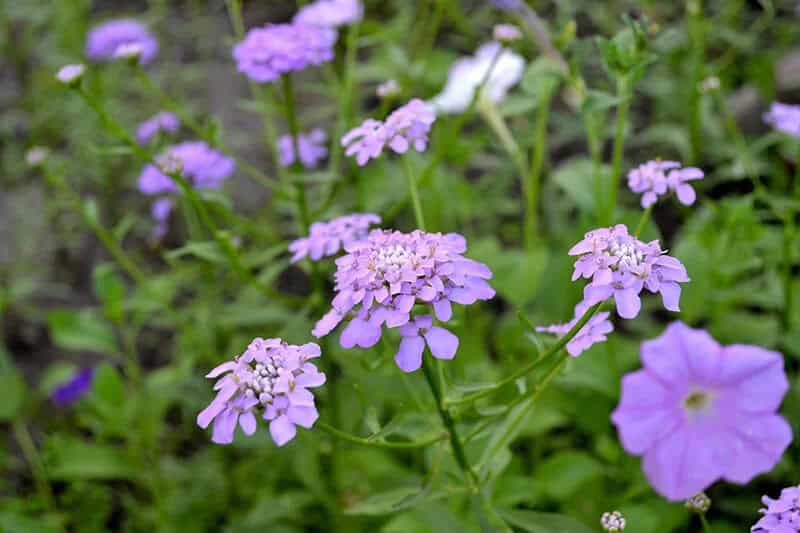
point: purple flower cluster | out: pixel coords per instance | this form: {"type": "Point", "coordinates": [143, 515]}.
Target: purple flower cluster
{"type": "Point", "coordinates": [327, 238]}
{"type": "Point", "coordinates": [276, 49]}
{"type": "Point", "coordinates": [161, 121]}
{"type": "Point", "coordinates": [384, 276]}
{"type": "Point", "coordinates": [311, 146]}
{"type": "Point", "coordinates": [105, 40]}
{"type": "Point", "coordinates": [74, 388]}
{"type": "Point", "coordinates": [594, 331]}
{"type": "Point", "coordinates": [657, 178]}
{"type": "Point", "coordinates": [330, 13]}
{"type": "Point", "coordinates": [784, 117]}
{"type": "Point", "coordinates": [699, 412]}
{"type": "Point", "coordinates": [408, 126]}
{"type": "Point", "coordinates": [781, 515]}
{"type": "Point", "coordinates": [270, 378]}
{"type": "Point", "coordinates": [203, 166]}
{"type": "Point", "coordinates": [621, 265]}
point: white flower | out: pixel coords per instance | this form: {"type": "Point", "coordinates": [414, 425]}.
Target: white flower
{"type": "Point", "coordinates": [69, 74]}
{"type": "Point", "coordinates": [36, 156]}
{"type": "Point", "coordinates": [467, 73]}
{"type": "Point", "coordinates": [128, 51]}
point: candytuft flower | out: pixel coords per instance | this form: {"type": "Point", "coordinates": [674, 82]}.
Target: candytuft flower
{"type": "Point", "coordinates": [408, 126]}
{"type": "Point", "coordinates": [311, 146]}
{"type": "Point", "coordinates": [613, 522]}
{"type": "Point", "coordinates": [330, 13]}
{"type": "Point", "coordinates": [657, 178]}
{"type": "Point", "coordinates": [594, 331]}
{"type": "Point", "coordinates": [383, 277]}
{"type": "Point", "coordinates": [699, 503]}
{"type": "Point", "coordinates": [271, 379]}
{"type": "Point", "coordinates": [122, 36]}
{"type": "Point", "coordinates": [467, 74]}
{"type": "Point", "coordinates": [781, 515]}
{"type": "Point", "coordinates": [161, 121]}
{"type": "Point", "coordinates": [267, 53]}
{"type": "Point", "coordinates": [699, 412]}
{"type": "Point", "coordinates": [70, 74]}
{"type": "Point", "coordinates": [327, 238]}
{"type": "Point", "coordinates": [621, 265]}
{"type": "Point", "coordinates": [784, 117]}
{"type": "Point", "coordinates": [74, 388]}
{"type": "Point", "coordinates": [506, 33]}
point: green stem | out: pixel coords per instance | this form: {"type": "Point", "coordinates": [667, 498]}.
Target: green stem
{"type": "Point", "coordinates": [643, 221]}
{"type": "Point", "coordinates": [694, 15]}
{"type": "Point", "coordinates": [623, 92]}
{"type": "Point", "coordinates": [554, 349]}
{"type": "Point", "coordinates": [379, 443]}
{"type": "Point", "coordinates": [414, 194]}
{"type": "Point", "coordinates": [704, 522]}
{"type": "Point", "coordinates": [35, 463]}
{"type": "Point", "coordinates": [537, 160]}
{"type": "Point", "coordinates": [498, 124]}
{"type": "Point", "coordinates": [789, 237]}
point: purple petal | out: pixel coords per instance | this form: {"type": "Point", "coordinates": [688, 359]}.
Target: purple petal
{"type": "Point", "coordinates": [282, 430]}
{"type": "Point", "coordinates": [208, 414]}
{"type": "Point", "coordinates": [758, 442]}
{"type": "Point", "coordinates": [442, 343]}
{"type": "Point", "coordinates": [224, 426]}
{"type": "Point", "coordinates": [409, 355]}
{"type": "Point", "coordinates": [443, 309]}
{"type": "Point", "coordinates": [247, 421]}
{"type": "Point", "coordinates": [302, 416]}
{"type": "Point", "coordinates": [628, 302]}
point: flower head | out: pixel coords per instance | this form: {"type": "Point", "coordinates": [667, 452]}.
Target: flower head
{"type": "Point", "coordinates": [267, 53]}
{"type": "Point", "coordinates": [388, 89]}
{"type": "Point", "coordinates": [383, 277]}
{"type": "Point", "coordinates": [114, 38]}
{"type": "Point", "coordinates": [327, 238]}
{"type": "Point", "coordinates": [36, 156]}
{"type": "Point", "coordinates": [311, 146]}
{"type": "Point", "coordinates": [506, 33]}
{"type": "Point", "coordinates": [330, 13]}
{"type": "Point", "coordinates": [160, 211]}
{"type": "Point", "coordinates": [657, 178]}
{"type": "Point", "coordinates": [466, 75]}
{"type": "Point", "coordinates": [203, 166]}
{"type": "Point", "coordinates": [781, 515]}
{"type": "Point", "coordinates": [74, 388]}
{"type": "Point", "coordinates": [621, 265]}
{"type": "Point", "coordinates": [408, 126]}
{"type": "Point", "coordinates": [161, 121]}
{"type": "Point", "coordinates": [699, 503]}
{"type": "Point", "coordinates": [784, 117]}
{"type": "Point", "coordinates": [594, 331]}
{"type": "Point", "coordinates": [70, 74]}
{"type": "Point", "coordinates": [270, 378]}
{"type": "Point", "coordinates": [612, 522]}
{"type": "Point", "coordinates": [699, 412]}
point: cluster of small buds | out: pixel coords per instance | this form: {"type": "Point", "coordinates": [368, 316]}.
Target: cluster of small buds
{"type": "Point", "coordinates": [36, 156]}
{"type": "Point", "coordinates": [699, 503]}
{"type": "Point", "coordinates": [657, 178]}
{"type": "Point", "coordinates": [71, 74]}
{"type": "Point", "coordinates": [506, 33]}
{"type": "Point", "coordinates": [613, 522]}
{"type": "Point", "coordinates": [327, 238]}
{"type": "Point", "coordinates": [388, 89]}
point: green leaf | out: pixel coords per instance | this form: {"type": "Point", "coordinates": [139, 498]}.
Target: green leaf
{"type": "Point", "coordinates": [563, 474]}
{"type": "Point", "coordinates": [110, 289]}
{"type": "Point", "coordinates": [517, 273]}
{"type": "Point", "coordinates": [576, 178]}
{"type": "Point", "coordinates": [542, 76]}
{"type": "Point", "coordinates": [81, 330]}
{"type": "Point", "coordinates": [207, 250]}
{"type": "Point", "coordinates": [534, 522]}
{"type": "Point", "coordinates": [13, 522]}
{"type": "Point", "coordinates": [72, 459]}
{"type": "Point", "coordinates": [388, 502]}
{"type": "Point", "coordinates": [12, 393]}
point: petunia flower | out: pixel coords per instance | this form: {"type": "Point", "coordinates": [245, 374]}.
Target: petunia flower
{"type": "Point", "coordinates": [327, 238]}
{"type": "Point", "coordinates": [699, 412]}
{"type": "Point", "coordinates": [657, 178]}
{"type": "Point", "coordinates": [105, 41]}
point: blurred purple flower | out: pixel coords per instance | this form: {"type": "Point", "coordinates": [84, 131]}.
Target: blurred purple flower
{"type": "Point", "coordinates": [161, 121]}
{"type": "Point", "coordinates": [204, 168]}
{"type": "Point", "coordinates": [74, 388]}
{"type": "Point", "coordinates": [594, 331]}
{"type": "Point", "coordinates": [781, 515]}
{"type": "Point", "coordinates": [160, 211]}
{"type": "Point", "coordinates": [327, 238]}
{"type": "Point", "coordinates": [699, 412]}
{"type": "Point", "coordinates": [509, 5]}
{"type": "Point", "coordinates": [388, 89]}
{"type": "Point", "coordinates": [70, 74]}
{"type": "Point", "coordinates": [270, 378]}
{"type": "Point", "coordinates": [657, 178]}
{"type": "Point", "coordinates": [784, 117]}
{"type": "Point", "coordinates": [267, 53]}
{"type": "Point", "coordinates": [311, 146]}
{"type": "Point", "coordinates": [104, 40]}
{"type": "Point", "coordinates": [330, 13]}
{"type": "Point", "coordinates": [621, 265]}
{"type": "Point", "coordinates": [408, 126]}
{"type": "Point", "coordinates": [506, 33]}
{"type": "Point", "coordinates": [383, 277]}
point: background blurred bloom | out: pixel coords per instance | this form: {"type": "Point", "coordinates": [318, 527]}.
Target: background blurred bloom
{"type": "Point", "coordinates": [161, 121]}
{"type": "Point", "coordinates": [388, 89]}
{"type": "Point", "coordinates": [506, 33]}
{"type": "Point", "coordinates": [70, 73]}
{"type": "Point", "coordinates": [327, 238]}
{"type": "Point", "coordinates": [74, 388]}
{"type": "Point", "coordinates": [594, 331]}
{"type": "Point", "coordinates": [511, 5]}
{"type": "Point", "coordinates": [467, 73]}
{"type": "Point", "coordinates": [781, 515]}
{"type": "Point", "coordinates": [784, 117]}
{"type": "Point", "coordinates": [103, 41]}
{"type": "Point", "coordinates": [201, 165]}
{"type": "Point", "coordinates": [267, 53]}
{"type": "Point", "coordinates": [330, 13]}
{"type": "Point", "coordinates": [270, 378]}
{"type": "Point", "coordinates": [311, 146]}
{"type": "Point", "coordinates": [36, 156]}
{"type": "Point", "coordinates": [657, 178]}
{"type": "Point", "coordinates": [699, 412]}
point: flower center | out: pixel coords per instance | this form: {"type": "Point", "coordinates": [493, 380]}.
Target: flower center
{"type": "Point", "coordinates": [391, 257]}
{"type": "Point", "coordinates": [629, 256]}
{"type": "Point", "coordinates": [696, 400]}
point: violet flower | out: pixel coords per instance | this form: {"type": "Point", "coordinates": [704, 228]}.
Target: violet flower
{"type": "Point", "coordinates": [699, 412]}
{"type": "Point", "coordinates": [103, 41]}
{"type": "Point", "coordinates": [383, 277]}
{"type": "Point", "coordinates": [784, 117]}
{"type": "Point", "coordinates": [621, 265]}
{"type": "Point", "coordinates": [161, 121]}
{"type": "Point", "coordinates": [594, 331]}
{"type": "Point", "coordinates": [311, 146]}
{"type": "Point", "coordinates": [330, 13]}
{"type": "Point", "coordinates": [271, 379]}
{"type": "Point", "coordinates": [506, 33]}
{"type": "Point", "coordinates": [74, 388]}
{"type": "Point", "coordinates": [71, 74]}
{"type": "Point", "coordinates": [276, 49]}
{"type": "Point", "coordinates": [327, 238]}
{"type": "Point", "coordinates": [657, 178]}
{"type": "Point", "coordinates": [781, 515]}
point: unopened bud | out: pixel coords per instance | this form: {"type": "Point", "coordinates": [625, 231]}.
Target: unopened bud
{"type": "Point", "coordinates": [613, 522]}
{"type": "Point", "coordinates": [699, 503]}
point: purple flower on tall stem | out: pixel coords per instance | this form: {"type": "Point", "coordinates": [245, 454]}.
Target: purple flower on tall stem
{"type": "Point", "coordinates": [384, 277]}
{"type": "Point", "coordinates": [330, 13]}
{"type": "Point", "coordinates": [104, 41]}
{"type": "Point", "coordinates": [271, 379]}
{"type": "Point", "coordinates": [74, 388]}
{"type": "Point", "coordinates": [311, 146]}
{"type": "Point", "coordinates": [784, 117]}
{"type": "Point", "coordinates": [657, 178]}
{"type": "Point", "coordinates": [699, 412]}
{"type": "Point", "coordinates": [621, 265]}
{"type": "Point", "coordinates": [327, 238]}
{"type": "Point", "coordinates": [781, 515]}
{"type": "Point", "coordinates": [161, 121]}
{"type": "Point", "coordinates": [594, 331]}
{"type": "Point", "coordinates": [276, 49]}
